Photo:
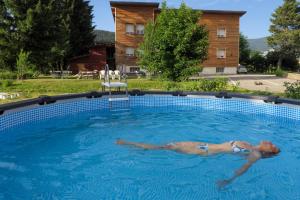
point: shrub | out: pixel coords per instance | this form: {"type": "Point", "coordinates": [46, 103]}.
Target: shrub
{"type": "Point", "coordinates": [236, 87]}
{"type": "Point", "coordinates": [6, 83]}
{"type": "Point", "coordinates": [292, 90]}
{"type": "Point", "coordinates": [280, 73]}
{"type": "Point", "coordinates": [31, 74]}
{"type": "Point", "coordinates": [218, 84]}
{"type": "Point", "coordinates": [24, 66]}
{"type": "Point", "coordinates": [4, 74]}
{"type": "Point", "coordinates": [257, 62]}
{"type": "Point", "coordinates": [191, 86]}
{"type": "Point", "coordinates": [172, 86]}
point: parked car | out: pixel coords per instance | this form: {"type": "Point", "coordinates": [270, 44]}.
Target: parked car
{"type": "Point", "coordinates": [242, 70]}
{"type": "Point", "coordinates": [138, 74]}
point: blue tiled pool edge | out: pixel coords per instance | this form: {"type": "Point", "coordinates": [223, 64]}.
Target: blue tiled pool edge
{"type": "Point", "coordinates": [74, 106]}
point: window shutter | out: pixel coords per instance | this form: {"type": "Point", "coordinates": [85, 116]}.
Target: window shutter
{"type": "Point", "coordinates": [130, 28]}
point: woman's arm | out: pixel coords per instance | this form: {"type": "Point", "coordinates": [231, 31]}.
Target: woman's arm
{"type": "Point", "coordinates": [139, 145]}
{"type": "Point", "coordinates": [252, 158]}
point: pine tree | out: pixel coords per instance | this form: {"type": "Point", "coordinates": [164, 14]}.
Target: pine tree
{"type": "Point", "coordinates": [40, 32]}
{"type": "Point", "coordinates": [61, 47]}
{"type": "Point", "coordinates": [32, 29]}
{"type": "Point", "coordinates": [52, 31]}
{"type": "Point", "coordinates": [81, 27]}
{"type": "Point", "coordinates": [7, 32]}
{"type": "Point", "coordinates": [285, 29]}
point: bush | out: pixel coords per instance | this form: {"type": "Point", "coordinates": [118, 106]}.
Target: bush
{"type": "Point", "coordinates": [6, 83]}
{"type": "Point", "coordinates": [236, 87]}
{"type": "Point", "coordinates": [191, 86]}
{"type": "Point", "coordinates": [214, 85]}
{"type": "Point", "coordinates": [31, 74]}
{"type": "Point", "coordinates": [24, 66]}
{"type": "Point", "coordinates": [257, 62]}
{"type": "Point", "coordinates": [4, 74]}
{"type": "Point", "coordinates": [292, 90]}
{"type": "Point", "coordinates": [172, 86]}
{"type": "Point", "coordinates": [280, 73]}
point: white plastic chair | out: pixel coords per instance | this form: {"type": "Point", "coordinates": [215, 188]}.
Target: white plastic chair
{"type": "Point", "coordinates": [117, 74]}
{"type": "Point", "coordinates": [112, 75]}
{"type": "Point", "coordinates": [102, 74]}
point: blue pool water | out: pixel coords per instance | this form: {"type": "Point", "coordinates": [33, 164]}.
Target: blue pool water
{"type": "Point", "coordinates": [75, 157]}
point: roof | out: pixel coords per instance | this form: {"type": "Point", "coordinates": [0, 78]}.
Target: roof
{"type": "Point", "coordinates": [225, 12]}
{"type": "Point", "coordinates": [154, 4]}
{"type": "Point", "coordinates": [234, 12]}
{"type": "Point", "coordinates": [132, 3]}
{"type": "Point", "coordinates": [104, 37]}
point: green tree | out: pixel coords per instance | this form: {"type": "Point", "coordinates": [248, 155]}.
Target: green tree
{"type": "Point", "coordinates": [257, 62]}
{"type": "Point", "coordinates": [80, 18]}
{"type": "Point", "coordinates": [7, 33]}
{"type": "Point", "coordinates": [61, 46]}
{"type": "Point", "coordinates": [23, 64]}
{"type": "Point", "coordinates": [285, 29]}
{"type": "Point", "coordinates": [244, 50]}
{"type": "Point", "coordinates": [32, 28]}
{"type": "Point", "coordinates": [40, 32]}
{"type": "Point", "coordinates": [175, 44]}
{"type": "Point", "coordinates": [53, 31]}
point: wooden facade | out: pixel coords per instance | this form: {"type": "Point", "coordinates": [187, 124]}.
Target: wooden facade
{"type": "Point", "coordinates": [100, 54]}
{"type": "Point", "coordinates": [231, 23]}
{"type": "Point", "coordinates": [127, 13]}
{"type": "Point", "coordinates": [140, 13]}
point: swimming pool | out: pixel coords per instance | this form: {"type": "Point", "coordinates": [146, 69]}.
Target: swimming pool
{"type": "Point", "coordinates": [67, 150]}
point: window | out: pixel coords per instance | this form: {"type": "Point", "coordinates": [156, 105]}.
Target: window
{"type": "Point", "coordinates": [220, 69]}
{"type": "Point", "coordinates": [140, 29]}
{"type": "Point", "coordinates": [129, 51]}
{"type": "Point", "coordinates": [221, 32]}
{"type": "Point", "coordinates": [221, 53]}
{"type": "Point", "coordinates": [129, 28]}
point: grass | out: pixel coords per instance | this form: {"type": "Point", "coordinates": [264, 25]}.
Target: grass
{"type": "Point", "coordinates": [37, 87]}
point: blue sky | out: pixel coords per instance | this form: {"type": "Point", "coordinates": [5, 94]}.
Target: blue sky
{"type": "Point", "coordinates": [254, 24]}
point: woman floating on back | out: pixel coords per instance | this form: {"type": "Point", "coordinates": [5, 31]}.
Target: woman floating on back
{"type": "Point", "coordinates": [253, 153]}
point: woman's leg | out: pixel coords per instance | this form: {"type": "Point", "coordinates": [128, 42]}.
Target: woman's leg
{"type": "Point", "coordinates": [141, 145]}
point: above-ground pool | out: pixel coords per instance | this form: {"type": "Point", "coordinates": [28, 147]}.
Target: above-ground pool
{"type": "Point", "coordinates": [67, 150]}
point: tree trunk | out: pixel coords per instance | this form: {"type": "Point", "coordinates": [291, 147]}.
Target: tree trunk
{"type": "Point", "coordinates": [279, 63]}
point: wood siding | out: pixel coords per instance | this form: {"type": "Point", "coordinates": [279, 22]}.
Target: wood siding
{"type": "Point", "coordinates": [95, 60]}
{"type": "Point", "coordinates": [230, 42]}
{"type": "Point", "coordinates": [141, 15]}
{"type": "Point", "coordinates": [132, 15]}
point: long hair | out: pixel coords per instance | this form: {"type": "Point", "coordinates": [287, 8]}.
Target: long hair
{"type": "Point", "coordinates": [268, 154]}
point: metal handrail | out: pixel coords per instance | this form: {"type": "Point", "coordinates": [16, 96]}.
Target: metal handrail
{"type": "Point", "coordinates": [106, 74]}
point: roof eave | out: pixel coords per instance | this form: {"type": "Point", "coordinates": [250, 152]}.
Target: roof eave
{"type": "Point", "coordinates": [122, 3]}
{"type": "Point", "coordinates": [227, 12]}
{"type": "Point", "coordinates": [233, 12]}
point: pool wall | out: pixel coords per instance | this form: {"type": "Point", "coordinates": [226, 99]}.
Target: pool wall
{"type": "Point", "coordinates": [50, 107]}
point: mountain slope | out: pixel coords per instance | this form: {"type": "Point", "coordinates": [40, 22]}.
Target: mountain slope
{"type": "Point", "coordinates": [259, 44]}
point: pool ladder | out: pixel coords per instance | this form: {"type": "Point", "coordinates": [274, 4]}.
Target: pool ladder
{"type": "Point", "coordinates": [119, 102]}
{"type": "Point", "coordinates": [118, 85]}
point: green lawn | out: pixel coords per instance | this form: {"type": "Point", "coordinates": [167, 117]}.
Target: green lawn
{"type": "Point", "coordinates": [37, 87]}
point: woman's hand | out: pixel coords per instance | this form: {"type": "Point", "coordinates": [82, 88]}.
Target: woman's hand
{"type": "Point", "coordinates": [223, 183]}
{"type": "Point", "coordinates": [252, 158]}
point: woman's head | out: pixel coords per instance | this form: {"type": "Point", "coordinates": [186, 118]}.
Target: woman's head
{"type": "Point", "coordinates": [268, 149]}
